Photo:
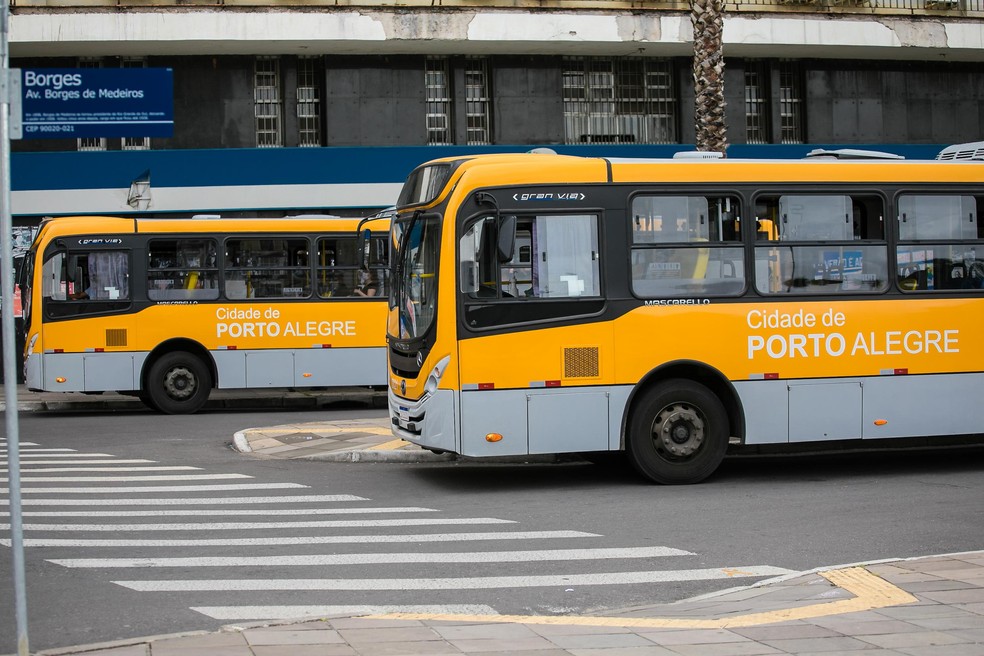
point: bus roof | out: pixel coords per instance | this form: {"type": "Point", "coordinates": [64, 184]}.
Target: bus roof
{"type": "Point", "coordinates": [531, 169]}
{"type": "Point", "coordinates": [52, 227]}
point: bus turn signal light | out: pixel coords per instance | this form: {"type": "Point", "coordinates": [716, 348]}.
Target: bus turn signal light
{"type": "Point", "coordinates": [493, 437]}
{"type": "Point", "coordinates": [881, 422]}
{"type": "Point", "coordinates": [60, 379]}
{"type": "Point", "coordinates": [307, 375]}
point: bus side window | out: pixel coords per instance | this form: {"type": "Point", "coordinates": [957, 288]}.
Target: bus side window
{"type": "Point", "coordinates": [686, 246]}
{"type": "Point", "coordinates": [940, 237]}
{"type": "Point", "coordinates": [820, 244]}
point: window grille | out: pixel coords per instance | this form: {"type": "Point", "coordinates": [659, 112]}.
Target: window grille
{"type": "Point", "coordinates": [477, 101]}
{"type": "Point", "coordinates": [756, 103]}
{"type": "Point", "coordinates": [135, 143]}
{"type": "Point", "coordinates": [91, 143]}
{"type": "Point", "coordinates": [619, 101]}
{"type": "Point", "coordinates": [790, 103]}
{"type": "Point", "coordinates": [308, 102]}
{"type": "Point", "coordinates": [438, 89]}
{"type": "Point", "coordinates": [267, 102]}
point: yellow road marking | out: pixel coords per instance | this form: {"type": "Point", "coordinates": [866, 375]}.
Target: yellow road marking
{"type": "Point", "coordinates": [870, 592]}
{"type": "Point", "coordinates": [385, 446]}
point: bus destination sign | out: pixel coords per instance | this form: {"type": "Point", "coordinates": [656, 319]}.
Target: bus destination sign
{"type": "Point", "coordinates": [75, 103]}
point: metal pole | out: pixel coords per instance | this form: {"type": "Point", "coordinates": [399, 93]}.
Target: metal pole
{"type": "Point", "coordinates": [9, 342]}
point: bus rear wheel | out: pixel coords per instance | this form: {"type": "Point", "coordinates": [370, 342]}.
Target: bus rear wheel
{"type": "Point", "coordinates": [678, 433]}
{"type": "Point", "coordinates": [178, 383]}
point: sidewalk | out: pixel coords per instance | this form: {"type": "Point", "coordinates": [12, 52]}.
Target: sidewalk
{"type": "Point", "coordinates": [921, 607]}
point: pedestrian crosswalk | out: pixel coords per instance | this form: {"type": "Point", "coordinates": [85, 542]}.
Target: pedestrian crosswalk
{"type": "Point", "coordinates": [208, 537]}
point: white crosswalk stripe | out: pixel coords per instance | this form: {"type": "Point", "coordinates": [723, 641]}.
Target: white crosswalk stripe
{"type": "Point", "coordinates": [128, 479]}
{"type": "Point", "coordinates": [242, 613]}
{"type": "Point", "coordinates": [452, 583]}
{"type": "Point", "coordinates": [252, 526]}
{"type": "Point", "coordinates": [226, 512]}
{"type": "Point", "coordinates": [156, 488]}
{"type": "Point", "coordinates": [195, 501]}
{"type": "Point", "coordinates": [59, 453]}
{"type": "Point", "coordinates": [96, 461]}
{"type": "Point", "coordinates": [380, 558]}
{"type": "Point", "coordinates": [60, 470]}
{"type": "Point", "coordinates": [314, 539]}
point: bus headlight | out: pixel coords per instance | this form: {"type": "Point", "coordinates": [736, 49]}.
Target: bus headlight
{"type": "Point", "coordinates": [30, 344]}
{"type": "Point", "coordinates": [435, 375]}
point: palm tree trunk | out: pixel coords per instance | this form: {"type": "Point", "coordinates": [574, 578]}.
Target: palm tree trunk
{"type": "Point", "coordinates": [707, 17]}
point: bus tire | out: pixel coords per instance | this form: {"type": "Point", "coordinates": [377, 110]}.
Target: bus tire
{"type": "Point", "coordinates": [147, 401]}
{"type": "Point", "coordinates": [678, 433]}
{"type": "Point", "coordinates": [178, 383]}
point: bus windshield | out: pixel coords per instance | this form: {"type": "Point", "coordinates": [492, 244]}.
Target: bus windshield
{"type": "Point", "coordinates": [416, 239]}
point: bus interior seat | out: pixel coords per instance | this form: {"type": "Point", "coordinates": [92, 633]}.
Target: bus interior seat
{"type": "Point", "coordinates": [917, 280]}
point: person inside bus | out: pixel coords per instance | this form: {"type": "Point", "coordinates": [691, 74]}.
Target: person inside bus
{"type": "Point", "coordinates": [368, 283]}
{"type": "Point", "coordinates": [82, 294]}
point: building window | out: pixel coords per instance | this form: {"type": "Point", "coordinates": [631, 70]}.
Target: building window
{"type": "Point", "coordinates": [790, 103]}
{"type": "Point", "coordinates": [619, 101]}
{"type": "Point", "coordinates": [438, 88]}
{"type": "Point", "coordinates": [268, 102]}
{"type": "Point", "coordinates": [477, 101]}
{"type": "Point", "coordinates": [756, 103]}
{"type": "Point", "coordinates": [91, 143]}
{"type": "Point", "coordinates": [308, 101]}
{"type": "Point", "coordinates": [135, 143]}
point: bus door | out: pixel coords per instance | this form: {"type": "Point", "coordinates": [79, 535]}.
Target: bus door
{"type": "Point", "coordinates": [80, 283]}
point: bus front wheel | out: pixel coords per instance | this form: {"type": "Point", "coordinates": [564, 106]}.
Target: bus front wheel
{"type": "Point", "coordinates": [178, 383]}
{"type": "Point", "coordinates": [678, 433]}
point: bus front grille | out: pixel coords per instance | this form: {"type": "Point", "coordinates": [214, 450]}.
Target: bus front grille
{"type": "Point", "coordinates": [581, 362]}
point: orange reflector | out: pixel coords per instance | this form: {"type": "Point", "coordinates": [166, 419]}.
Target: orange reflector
{"type": "Point", "coordinates": [881, 422]}
{"type": "Point", "coordinates": [493, 437]}
{"type": "Point", "coordinates": [60, 379]}
{"type": "Point", "coordinates": [307, 375]}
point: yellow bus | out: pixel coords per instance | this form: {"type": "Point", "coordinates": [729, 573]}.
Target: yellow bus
{"type": "Point", "coordinates": [167, 309]}
{"type": "Point", "coordinates": [554, 304]}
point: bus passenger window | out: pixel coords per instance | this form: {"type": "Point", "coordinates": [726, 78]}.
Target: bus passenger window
{"type": "Point", "coordinates": [267, 268]}
{"type": "Point", "coordinates": [182, 269]}
{"type": "Point", "coordinates": [686, 246]}
{"type": "Point", "coordinates": [337, 265]}
{"type": "Point", "coordinates": [831, 243]}
{"type": "Point", "coordinates": [940, 236]}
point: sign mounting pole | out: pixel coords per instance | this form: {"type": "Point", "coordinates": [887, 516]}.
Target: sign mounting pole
{"type": "Point", "coordinates": [9, 341]}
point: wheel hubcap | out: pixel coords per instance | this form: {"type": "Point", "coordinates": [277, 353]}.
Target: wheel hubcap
{"type": "Point", "coordinates": [678, 430]}
{"type": "Point", "coordinates": [180, 383]}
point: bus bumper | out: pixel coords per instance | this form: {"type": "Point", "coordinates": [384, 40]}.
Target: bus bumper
{"type": "Point", "coordinates": [428, 422]}
{"type": "Point", "coordinates": [32, 372]}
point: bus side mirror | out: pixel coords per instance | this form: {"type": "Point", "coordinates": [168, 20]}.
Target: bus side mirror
{"type": "Point", "coordinates": [469, 277]}
{"type": "Point", "coordinates": [362, 247]}
{"type": "Point", "coordinates": [506, 243]}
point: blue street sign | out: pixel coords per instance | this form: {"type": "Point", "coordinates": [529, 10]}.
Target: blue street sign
{"type": "Point", "coordinates": [77, 103]}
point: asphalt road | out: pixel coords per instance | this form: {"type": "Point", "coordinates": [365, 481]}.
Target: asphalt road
{"type": "Point", "coordinates": [558, 538]}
